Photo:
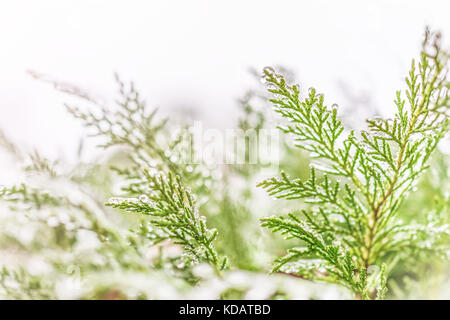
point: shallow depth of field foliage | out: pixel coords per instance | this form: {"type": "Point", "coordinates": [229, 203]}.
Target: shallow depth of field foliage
{"type": "Point", "coordinates": [362, 213]}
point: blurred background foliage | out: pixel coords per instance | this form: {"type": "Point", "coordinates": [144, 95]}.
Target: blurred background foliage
{"type": "Point", "coordinates": [59, 241]}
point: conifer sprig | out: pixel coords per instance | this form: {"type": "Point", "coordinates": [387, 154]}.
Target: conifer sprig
{"type": "Point", "coordinates": [169, 204]}
{"type": "Point", "coordinates": [130, 125]}
{"type": "Point", "coordinates": [352, 225]}
{"type": "Point", "coordinates": [173, 213]}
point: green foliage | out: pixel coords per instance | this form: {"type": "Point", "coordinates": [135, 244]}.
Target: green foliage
{"type": "Point", "coordinates": [366, 177]}
{"type": "Point", "coordinates": [167, 201]}
{"type": "Point", "coordinates": [144, 221]}
{"type": "Point", "coordinates": [30, 287]}
{"type": "Point", "coordinates": [174, 216]}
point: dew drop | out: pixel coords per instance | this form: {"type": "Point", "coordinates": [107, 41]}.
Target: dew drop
{"type": "Point", "coordinates": [52, 222]}
{"type": "Point", "coordinates": [173, 158]}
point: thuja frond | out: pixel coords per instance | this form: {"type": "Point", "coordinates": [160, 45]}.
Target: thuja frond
{"type": "Point", "coordinates": [28, 197]}
{"type": "Point", "coordinates": [131, 124]}
{"type": "Point", "coordinates": [22, 285]}
{"type": "Point", "coordinates": [366, 176]}
{"type": "Point", "coordinates": [338, 265]}
{"type": "Point", "coordinates": [173, 213]}
{"type": "Point", "coordinates": [60, 209]}
{"type": "Point", "coordinates": [154, 149]}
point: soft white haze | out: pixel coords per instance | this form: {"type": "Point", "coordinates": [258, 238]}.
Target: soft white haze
{"type": "Point", "coordinates": [196, 54]}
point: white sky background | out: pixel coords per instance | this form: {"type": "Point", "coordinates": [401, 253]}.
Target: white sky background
{"type": "Point", "coordinates": [196, 54]}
